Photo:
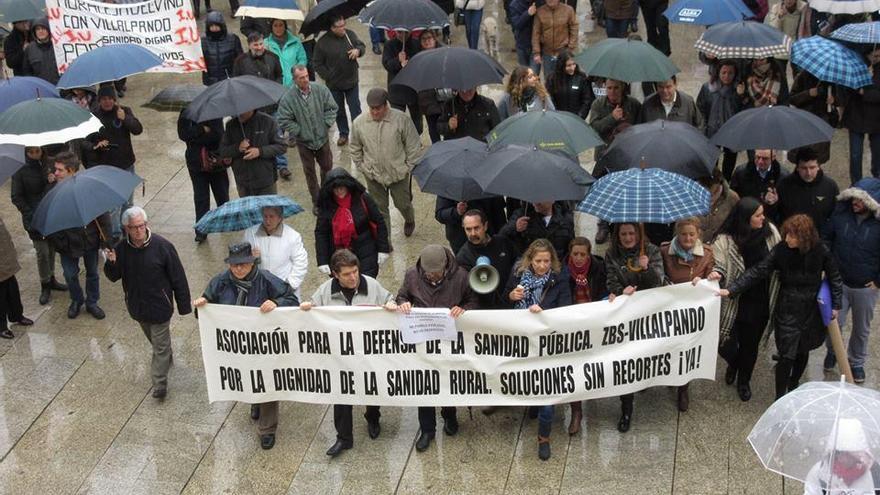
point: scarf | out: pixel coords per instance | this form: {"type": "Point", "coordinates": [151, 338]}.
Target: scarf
{"type": "Point", "coordinates": [581, 283]}
{"type": "Point", "coordinates": [243, 286]}
{"type": "Point", "coordinates": [762, 86]}
{"type": "Point", "coordinates": [849, 473]}
{"type": "Point", "coordinates": [343, 223]}
{"type": "Point", "coordinates": [534, 289]}
{"type": "Point", "coordinates": [528, 95]}
{"type": "Point", "coordinates": [686, 255]}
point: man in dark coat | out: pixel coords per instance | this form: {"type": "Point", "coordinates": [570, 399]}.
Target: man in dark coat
{"type": "Point", "coordinates": [499, 249]}
{"type": "Point", "coordinates": [450, 213]}
{"type": "Point", "coordinates": [15, 44]}
{"type": "Point", "coordinates": [252, 141]}
{"type": "Point", "coordinates": [29, 185]}
{"type": "Point", "coordinates": [861, 116]}
{"type": "Point", "coordinates": [336, 60]}
{"type": "Point", "coordinates": [436, 282]}
{"type": "Point", "coordinates": [39, 56]}
{"type": "Point", "coordinates": [152, 277]}
{"type": "Point", "coordinates": [668, 103]}
{"type": "Point", "coordinates": [759, 178]}
{"type": "Point", "coordinates": [546, 220]}
{"type": "Point", "coordinates": [258, 61]}
{"type": "Point", "coordinates": [395, 56]}
{"type": "Point", "coordinates": [112, 144]}
{"type": "Point", "coordinates": [202, 142]}
{"type": "Point", "coordinates": [808, 190]}
{"type": "Point", "coordinates": [220, 49]}
{"type": "Point", "coordinates": [522, 17]}
{"type": "Point", "coordinates": [468, 114]}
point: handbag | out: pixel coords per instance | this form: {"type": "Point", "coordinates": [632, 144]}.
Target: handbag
{"type": "Point", "coordinates": [458, 14]}
{"type": "Point", "coordinates": [212, 162]}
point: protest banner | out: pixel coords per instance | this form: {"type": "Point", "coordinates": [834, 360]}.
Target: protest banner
{"type": "Point", "coordinates": [166, 27]}
{"type": "Point", "coordinates": [354, 355]}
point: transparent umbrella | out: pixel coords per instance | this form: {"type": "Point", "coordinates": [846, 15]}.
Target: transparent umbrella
{"type": "Point", "coordinates": [825, 434]}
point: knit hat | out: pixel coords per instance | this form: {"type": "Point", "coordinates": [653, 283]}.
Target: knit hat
{"type": "Point", "coordinates": [433, 258]}
{"type": "Point", "coordinates": [107, 90]}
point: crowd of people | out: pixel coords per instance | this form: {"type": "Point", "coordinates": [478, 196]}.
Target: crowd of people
{"type": "Point", "coordinates": [769, 237]}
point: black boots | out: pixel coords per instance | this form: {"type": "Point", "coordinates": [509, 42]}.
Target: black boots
{"type": "Point", "coordinates": [544, 440]}
{"type": "Point", "coordinates": [46, 289]}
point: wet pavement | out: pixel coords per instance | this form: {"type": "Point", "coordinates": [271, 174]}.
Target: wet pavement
{"type": "Point", "coordinates": [76, 414]}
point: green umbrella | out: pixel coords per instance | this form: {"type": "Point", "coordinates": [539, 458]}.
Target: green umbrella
{"type": "Point", "coordinates": [46, 121]}
{"type": "Point", "coordinates": [626, 60]}
{"type": "Point", "coordinates": [20, 10]}
{"type": "Point", "coordinates": [548, 130]}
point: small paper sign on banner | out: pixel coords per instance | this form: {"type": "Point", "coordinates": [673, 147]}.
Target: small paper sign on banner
{"type": "Point", "coordinates": [424, 324]}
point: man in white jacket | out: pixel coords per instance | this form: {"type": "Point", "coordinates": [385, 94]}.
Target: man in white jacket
{"type": "Point", "coordinates": [279, 247]}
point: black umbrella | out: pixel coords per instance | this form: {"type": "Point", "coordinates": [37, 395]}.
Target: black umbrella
{"type": "Point", "coordinates": [450, 67]}
{"type": "Point", "coordinates": [532, 175]}
{"type": "Point", "coordinates": [404, 15]}
{"type": "Point", "coordinates": [175, 97]}
{"type": "Point", "coordinates": [233, 97]}
{"type": "Point", "coordinates": [445, 169]}
{"type": "Point", "coordinates": [773, 127]}
{"type": "Point", "coordinates": [672, 146]}
{"type": "Point", "coordinates": [11, 159]}
{"type": "Point", "coordinates": [321, 17]}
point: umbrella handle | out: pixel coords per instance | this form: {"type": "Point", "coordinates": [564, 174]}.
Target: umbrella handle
{"type": "Point", "coordinates": [839, 351]}
{"type": "Point", "coordinates": [104, 236]}
{"type": "Point", "coordinates": [642, 239]}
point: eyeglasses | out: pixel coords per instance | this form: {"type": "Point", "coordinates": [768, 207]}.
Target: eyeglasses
{"type": "Point", "coordinates": [141, 226]}
{"type": "Point", "coordinates": [764, 158]}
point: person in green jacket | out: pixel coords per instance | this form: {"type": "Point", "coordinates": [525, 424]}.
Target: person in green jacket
{"type": "Point", "coordinates": [288, 47]}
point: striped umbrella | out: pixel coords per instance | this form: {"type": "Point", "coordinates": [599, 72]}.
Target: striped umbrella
{"type": "Point", "coordinates": [743, 39]}
{"type": "Point", "coordinates": [271, 9]}
{"type": "Point", "coordinates": [845, 6]}
{"type": "Point", "coordinates": [830, 62]}
{"type": "Point", "coordinates": [860, 32]}
{"type": "Point", "coordinates": [46, 121]}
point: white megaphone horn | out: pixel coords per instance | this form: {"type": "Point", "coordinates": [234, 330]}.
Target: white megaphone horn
{"type": "Point", "coordinates": [483, 277]}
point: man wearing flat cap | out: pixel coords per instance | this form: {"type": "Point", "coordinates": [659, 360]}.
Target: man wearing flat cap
{"type": "Point", "coordinates": [243, 284]}
{"type": "Point", "coordinates": [385, 146]}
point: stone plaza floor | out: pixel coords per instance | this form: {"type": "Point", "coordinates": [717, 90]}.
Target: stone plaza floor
{"type": "Point", "coordinates": [76, 414]}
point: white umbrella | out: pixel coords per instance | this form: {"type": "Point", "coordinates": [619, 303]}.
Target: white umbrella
{"type": "Point", "coordinates": [46, 121]}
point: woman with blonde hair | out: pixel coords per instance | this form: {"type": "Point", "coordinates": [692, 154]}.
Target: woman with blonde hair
{"type": "Point", "coordinates": [524, 93]}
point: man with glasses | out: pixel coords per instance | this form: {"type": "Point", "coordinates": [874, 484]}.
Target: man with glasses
{"type": "Point", "coordinates": [759, 178]}
{"type": "Point", "coordinates": [152, 277]}
{"type": "Point", "coordinates": [336, 61]}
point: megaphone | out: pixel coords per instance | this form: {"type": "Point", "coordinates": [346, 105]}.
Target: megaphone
{"type": "Point", "coordinates": [483, 277]}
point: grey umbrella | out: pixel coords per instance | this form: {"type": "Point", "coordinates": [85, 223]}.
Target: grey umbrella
{"type": "Point", "coordinates": [233, 97]}
{"type": "Point", "coordinates": [175, 98]}
{"type": "Point", "coordinates": [773, 127]}
{"type": "Point", "coordinates": [11, 159]}
{"type": "Point", "coordinates": [445, 168]}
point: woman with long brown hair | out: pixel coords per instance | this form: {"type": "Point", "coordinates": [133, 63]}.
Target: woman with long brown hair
{"type": "Point", "coordinates": [524, 92]}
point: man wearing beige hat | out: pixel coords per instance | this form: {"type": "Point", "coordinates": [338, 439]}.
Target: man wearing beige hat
{"type": "Point", "coordinates": [384, 146]}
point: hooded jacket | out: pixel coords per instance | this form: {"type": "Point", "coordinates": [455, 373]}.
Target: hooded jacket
{"type": "Point", "coordinates": [854, 239]}
{"type": "Point", "coordinates": [453, 290]}
{"type": "Point", "coordinates": [29, 185]}
{"type": "Point", "coordinates": [290, 52]}
{"type": "Point", "coordinates": [365, 246]}
{"type": "Point", "coordinates": [118, 132]}
{"type": "Point", "coordinates": [39, 56]}
{"type": "Point", "coordinates": [13, 48]}
{"type": "Point", "coordinates": [220, 50]}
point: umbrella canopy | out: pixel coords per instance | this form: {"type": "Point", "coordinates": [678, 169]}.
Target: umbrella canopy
{"type": "Point", "coordinates": [743, 39]}
{"type": "Point", "coordinates": [321, 16]}
{"type": "Point", "coordinates": [830, 62]}
{"type": "Point", "coordinates": [445, 169]}
{"type": "Point", "coordinates": [860, 32]}
{"type": "Point", "coordinates": [808, 426]}
{"type": "Point", "coordinates": [21, 10]}
{"type": "Point", "coordinates": [11, 159]}
{"type": "Point", "coordinates": [772, 127]}
{"type": "Point", "coordinates": [24, 88]}
{"type": "Point", "coordinates": [175, 98]}
{"type": "Point", "coordinates": [626, 60]}
{"type": "Point", "coordinates": [672, 146]}
{"type": "Point", "coordinates": [108, 63]}
{"type": "Point", "coordinates": [242, 213]}
{"type": "Point", "coordinates": [453, 67]}
{"type": "Point", "coordinates": [707, 12]}
{"type": "Point", "coordinates": [647, 195]}
{"type": "Point", "coordinates": [845, 6]}
{"type": "Point", "coordinates": [233, 97]}
{"type": "Point", "coordinates": [26, 123]}
{"type": "Point", "coordinates": [547, 130]}
{"type": "Point", "coordinates": [78, 200]}
{"type": "Point", "coordinates": [532, 175]}
{"type": "Point", "coordinates": [404, 15]}
{"type": "Point", "coordinates": [270, 9]}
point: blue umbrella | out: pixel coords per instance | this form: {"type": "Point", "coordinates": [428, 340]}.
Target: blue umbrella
{"type": "Point", "coordinates": [830, 62]}
{"type": "Point", "coordinates": [11, 159]}
{"type": "Point", "coordinates": [108, 63]}
{"type": "Point", "coordinates": [24, 88]}
{"type": "Point", "coordinates": [270, 9]}
{"type": "Point", "coordinates": [708, 12]}
{"type": "Point", "coordinates": [242, 213]}
{"type": "Point", "coordinates": [21, 10]}
{"type": "Point", "coordinates": [78, 200]}
{"type": "Point", "coordinates": [845, 6]}
{"type": "Point", "coordinates": [859, 32]}
{"type": "Point", "coordinates": [649, 195]}
{"type": "Point", "coordinates": [743, 39]}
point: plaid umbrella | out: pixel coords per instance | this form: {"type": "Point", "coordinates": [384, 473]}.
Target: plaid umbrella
{"type": "Point", "coordinates": [830, 62]}
{"type": "Point", "coordinates": [175, 98]}
{"type": "Point", "coordinates": [845, 6]}
{"type": "Point", "coordinates": [743, 39]}
{"type": "Point", "coordinates": [860, 32]}
{"type": "Point", "coordinates": [647, 195]}
{"type": "Point", "coordinates": [242, 213]}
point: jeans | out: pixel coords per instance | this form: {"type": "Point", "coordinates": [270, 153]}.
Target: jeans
{"type": "Point", "coordinates": [545, 414]}
{"type": "Point", "coordinates": [204, 183]}
{"type": "Point", "coordinates": [116, 213]}
{"type": "Point", "coordinates": [856, 149]}
{"type": "Point", "coordinates": [70, 266]}
{"type": "Point", "coordinates": [657, 26]}
{"type": "Point", "coordinates": [377, 35]}
{"type": "Point", "coordinates": [472, 20]}
{"type": "Point", "coordinates": [616, 28]}
{"type": "Point", "coordinates": [524, 58]}
{"type": "Point", "coordinates": [548, 63]}
{"type": "Point", "coordinates": [281, 158]}
{"type": "Point", "coordinates": [341, 96]}
{"type": "Point", "coordinates": [862, 301]}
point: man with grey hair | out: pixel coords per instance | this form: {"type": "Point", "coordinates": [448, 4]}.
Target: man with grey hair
{"type": "Point", "coordinates": [152, 276]}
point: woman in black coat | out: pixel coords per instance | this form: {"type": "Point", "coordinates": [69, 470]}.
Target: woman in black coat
{"type": "Point", "coordinates": [349, 218]}
{"type": "Point", "coordinates": [800, 262]}
{"type": "Point", "coordinates": [207, 171]}
{"type": "Point", "coordinates": [570, 89]}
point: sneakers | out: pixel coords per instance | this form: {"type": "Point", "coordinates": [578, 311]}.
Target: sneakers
{"type": "Point", "coordinates": [830, 362]}
{"type": "Point", "coordinates": [858, 374]}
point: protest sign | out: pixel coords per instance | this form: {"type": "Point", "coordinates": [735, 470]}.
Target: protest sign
{"type": "Point", "coordinates": [166, 27]}
{"type": "Point", "coordinates": [354, 355]}
{"type": "Point", "coordinates": [424, 324]}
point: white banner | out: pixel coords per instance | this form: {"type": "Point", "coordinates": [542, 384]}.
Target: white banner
{"type": "Point", "coordinates": [166, 27]}
{"type": "Point", "coordinates": [354, 355]}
